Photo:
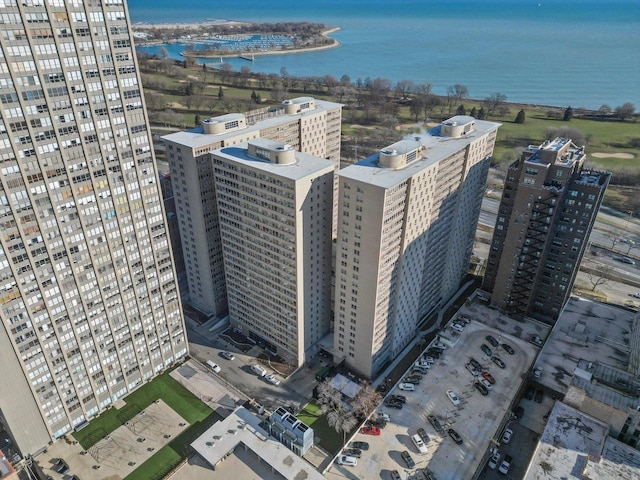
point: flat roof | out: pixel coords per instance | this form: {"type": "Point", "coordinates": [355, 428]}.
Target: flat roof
{"type": "Point", "coordinates": [575, 445]}
{"type": "Point", "coordinates": [589, 331]}
{"type": "Point", "coordinates": [196, 137]}
{"type": "Point", "coordinates": [436, 147]}
{"type": "Point", "coordinates": [614, 387]}
{"type": "Point", "coordinates": [242, 429]}
{"type": "Point", "coordinates": [304, 166]}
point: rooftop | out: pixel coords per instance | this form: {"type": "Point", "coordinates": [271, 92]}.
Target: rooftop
{"type": "Point", "coordinates": [430, 147]}
{"type": "Point", "coordinates": [614, 387]}
{"type": "Point", "coordinates": [586, 331]}
{"type": "Point", "coordinates": [575, 445]}
{"type": "Point", "coordinates": [196, 138]}
{"type": "Point", "coordinates": [242, 428]}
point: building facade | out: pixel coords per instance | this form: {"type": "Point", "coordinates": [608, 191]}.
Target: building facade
{"type": "Point", "coordinates": [548, 208]}
{"type": "Point", "coordinates": [275, 214]}
{"type": "Point", "coordinates": [89, 306]}
{"type": "Point", "coordinates": [406, 224]}
{"type": "Point", "coordinates": [309, 125]}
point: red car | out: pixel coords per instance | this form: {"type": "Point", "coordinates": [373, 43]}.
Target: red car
{"type": "Point", "coordinates": [371, 430]}
{"type": "Point", "coordinates": [488, 377]}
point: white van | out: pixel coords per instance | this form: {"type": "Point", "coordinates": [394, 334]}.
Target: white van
{"type": "Point", "coordinates": [213, 366]}
{"type": "Point", "coordinates": [417, 441]}
{"type": "Point", "coordinates": [258, 370]}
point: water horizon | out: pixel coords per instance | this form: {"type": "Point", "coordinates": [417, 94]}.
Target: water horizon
{"type": "Point", "coordinates": [579, 53]}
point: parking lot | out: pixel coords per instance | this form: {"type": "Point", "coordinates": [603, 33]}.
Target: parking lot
{"type": "Point", "coordinates": [477, 418]}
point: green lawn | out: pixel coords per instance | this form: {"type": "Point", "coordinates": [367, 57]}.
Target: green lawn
{"type": "Point", "coordinates": [163, 387]}
{"type": "Point", "coordinates": [330, 440]}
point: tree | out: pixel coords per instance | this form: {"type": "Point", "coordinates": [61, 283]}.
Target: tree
{"type": "Point", "coordinates": [366, 401]}
{"type": "Point", "coordinates": [461, 110]}
{"type": "Point", "coordinates": [473, 112]}
{"type": "Point", "coordinates": [198, 121]}
{"type": "Point", "coordinates": [220, 93]}
{"type": "Point", "coordinates": [568, 114]}
{"type": "Point", "coordinates": [574, 134]}
{"type": "Point", "coordinates": [481, 114]}
{"type": "Point", "coordinates": [339, 417]}
{"type": "Point", "coordinates": [456, 93]}
{"type": "Point", "coordinates": [599, 275]}
{"type": "Point", "coordinates": [625, 111]}
{"type": "Point", "coordinates": [520, 117]}
{"type": "Point", "coordinates": [403, 87]}
{"type": "Point", "coordinates": [605, 110]}
{"type": "Point", "coordinates": [496, 103]}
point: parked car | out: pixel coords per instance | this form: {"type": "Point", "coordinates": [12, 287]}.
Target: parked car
{"type": "Point", "coordinates": [377, 422]}
{"type": "Point", "coordinates": [488, 377]}
{"type": "Point", "coordinates": [481, 388]}
{"type": "Point", "coordinates": [407, 387]}
{"type": "Point", "coordinates": [486, 350]}
{"type": "Point", "coordinates": [536, 340]}
{"type": "Point", "coordinates": [472, 369]}
{"type": "Point", "coordinates": [428, 474]}
{"type": "Point", "coordinates": [213, 366]}
{"type": "Point", "coordinates": [353, 452]}
{"type": "Point", "coordinates": [399, 398]}
{"type": "Point", "coordinates": [391, 403]}
{"type": "Point", "coordinates": [272, 379]}
{"type": "Point", "coordinates": [414, 378]}
{"type": "Point", "coordinates": [395, 475]}
{"type": "Point", "coordinates": [508, 348]}
{"type": "Point", "coordinates": [347, 460]}
{"type": "Point", "coordinates": [439, 345]}
{"type": "Point", "coordinates": [519, 412]}
{"type": "Point", "coordinates": [486, 383]}
{"type": "Point", "coordinates": [538, 396]}
{"type": "Point", "coordinates": [423, 435]}
{"type": "Point", "coordinates": [492, 340]}
{"type": "Point", "coordinates": [423, 364]}
{"type": "Point", "coordinates": [453, 397]}
{"type": "Point", "coordinates": [455, 436]}
{"type": "Point", "coordinates": [505, 465]}
{"type": "Point", "coordinates": [457, 327]}
{"type": "Point", "coordinates": [408, 460]}
{"type": "Point", "coordinates": [360, 445]}
{"type": "Point", "coordinates": [494, 460]}
{"type": "Point", "coordinates": [506, 436]}
{"type": "Point", "coordinates": [435, 423]}
{"type": "Point", "coordinates": [258, 370]}
{"type": "Point", "coordinates": [227, 355]}
{"type": "Point", "coordinates": [61, 466]}
{"type": "Point", "coordinates": [477, 365]}
{"type": "Point", "coordinates": [498, 361]}
{"type": "Point", "coordinates": [417, 441]}
{"type": "Point", "coordinates": [384, 416]}
{"type": "Point", "coordinates": [371, 430]}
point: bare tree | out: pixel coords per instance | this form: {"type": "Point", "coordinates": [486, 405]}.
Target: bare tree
{"type": "Point", "coordinates": [599, 275]}
{"type": "Point", "coordinates": [366, 401]}
{"type": "Point", "coordinates": [613, 238]}
{"type": "Point", "coordinates": [339, 416]}
{"type": "Point", "coordinates": [496, 103]}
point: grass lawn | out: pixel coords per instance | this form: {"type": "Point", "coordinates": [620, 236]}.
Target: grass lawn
{"type": "Point", "coordinates": [183, 402]}
{"type": "Point", "coordinates": [172, 454]}
{"type": "Point", "coordinates": [330, 440]}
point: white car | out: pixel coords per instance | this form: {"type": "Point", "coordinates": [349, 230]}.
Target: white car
{"type": "Point", "coordinates": [453, 397]}
{"type": "Point", "coordinates": [347, 460]}
{"type": "Point", "coordinates": [258, 370]}
{"type": "Point", "coordinates": [486, 383]}
{"type": "Point", "coordinates": [457, 327]}
{"type": "Point", "coordinates": [384, 416]}
{"type": "Point", "coordinates": [439, 345]}
{"type": "Point", "coordinates": [422, 364]}
{"type": "Point", "coordinates": [272, 379]}
{"type": "Point", "coordinates": [213, 366]}
{"type": "Point", "coordinates": [417, 441]}
{"type": "Point", "coordinates": [636, 295]}
{"type": "Point", "coordinates": [494, 460]}
{"type": "Point", "coordinates": [407, 387]}
{"type": "Point", "coordinates": [506, 436]}
{"type": "Point", "coordinates": [472, 369]}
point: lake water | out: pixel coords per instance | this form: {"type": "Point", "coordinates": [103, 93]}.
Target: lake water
{"type": "Point", "coordinates": [582, 53]}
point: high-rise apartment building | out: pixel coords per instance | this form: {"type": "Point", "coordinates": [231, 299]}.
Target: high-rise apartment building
{"type": "Point", "coordinates": [275, 212]}
{"type": "Point", "coordinates": [406, 224]}
{"type": "Point", "coordinates": [309, 125]}
{"type": "Point", "coordinates": [89, 306]}
{"type": "Point", "coordinates": [548, 208]}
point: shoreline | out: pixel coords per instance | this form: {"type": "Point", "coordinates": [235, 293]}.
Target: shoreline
{"type": "Point", "coordinates": [238, 53]}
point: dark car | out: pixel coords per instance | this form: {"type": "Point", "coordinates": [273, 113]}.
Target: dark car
{"type": "Point", "coordinates": [382, 388]}
{"type": "Point", "coordinates": [538, 396]}
{"type": "Point", "coordinates": [508, 348]}
{"type": "Point", "coordinates": [399, 398]}
{"type": "Point", "coordinates": [376, 422]}
{"type": "Point", "coordinates": [360, 445]}
{"type": "Point", "coordinates": [428, 474]}
{"type": "Point", "coordinates": [353, 452]}
{"type": "Point", "coordinates": [477, 365]}
{"type": "Point", "coordinates": [434, 353]}
{"type": "Point", "coordinates": [423, 435]}
{"type": "Point", "coordinates": [435, 423]}
{"type": "Point", "coordinates": [455, 436]}
{"type": "Point", "coordinates": [391, 403]}
{"type": "Point", "coordinates": [406, 456]}
{"type": "Point", "coordinates": [481, 388]}
{"type": "Point", "coordinates": [530, 393]}
{"type": "Point", "coordinates": [498, 362]}
{"type": "Point", "coordinates": [492, 340]}
{"type": "Point", "coordinates": [395, 475]}
{"type": "Point", "coordinates": [519, 412]}
{"type": "Point", "coordinates": [415, 379]}
{"type": "Point", "coordinates": [487, 351]}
